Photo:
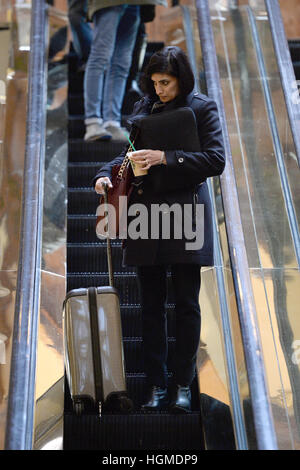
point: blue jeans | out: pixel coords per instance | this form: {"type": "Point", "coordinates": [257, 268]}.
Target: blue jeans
{"type": "Point", "coordinates": [114, 36]}
{"type": "Point", "coordinates": [81, 30]}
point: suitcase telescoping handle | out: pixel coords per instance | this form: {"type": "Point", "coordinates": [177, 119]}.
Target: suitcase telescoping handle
{"type": "Point", "coordinates": [108, 242]}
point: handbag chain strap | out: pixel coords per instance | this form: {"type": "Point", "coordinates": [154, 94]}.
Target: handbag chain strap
{"type": "Point", "coordinates": [126, 160]}
{"type": "Point", "coordinates": [124, 164]}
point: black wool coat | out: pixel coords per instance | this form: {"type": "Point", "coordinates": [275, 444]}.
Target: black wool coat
{"type": "Point", "coordinates": [187, 172]}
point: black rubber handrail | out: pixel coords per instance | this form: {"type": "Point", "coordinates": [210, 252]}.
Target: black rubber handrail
{"type": "Point", "coordinates": [20, 414]}
{"type": "Point", "coordinates": [237, 412]}
{"type": "Point", "coordinates": [263, 419]}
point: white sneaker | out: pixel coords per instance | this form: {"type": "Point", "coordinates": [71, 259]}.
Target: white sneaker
{"type": "Point", "coordinates": [95, 130]}
{"type": "Point", "coordinates": [118, 133]}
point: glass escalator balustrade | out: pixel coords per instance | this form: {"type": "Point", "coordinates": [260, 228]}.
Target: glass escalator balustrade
{"type": "Point", "coordinates": [271, 253]}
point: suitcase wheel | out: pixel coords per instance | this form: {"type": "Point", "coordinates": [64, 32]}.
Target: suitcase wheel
{"type": "Point", "coordinates": [126, 404]}
{"type": "Point", "coordinates": [118, 402]}
{"type": "Point", "coordinates": [78, 407]}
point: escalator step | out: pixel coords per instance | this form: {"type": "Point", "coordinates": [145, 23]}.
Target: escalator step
{"type": "Point", "coordinates": [82, 201]}
{"type": "Point", "coordinates": [87, 266]}
{"type": "Point", "coordinates": [130, 432]}
{"type": "Point", "coordinates": [72, 62]}
{"type": "Point", "coordinates": [132, 320]}
{"type": "Point", "coordinates": [133, 354]}
{"type": "Point", "coordinates": [136, 388]}
{"type": "Point", "coordinates": [82, 174]}
{"type": "Point", "coordinates": [97, 151]}
{"type": "Point", "coordinates": [76, 127]}
{"type": "Point", "coordinates": [75, 104]}
{"type": "Point", "coordinates": [76, 101]}
{"type": "Point", "coordinates": [125, 285]}
{"type": "Point", "coordinates": [294, 46]}
{"type": "Point", "coordinates": [76, 82]}
{"type": "Point", "coordinates": [82, 229]}
{"type": "Point", "coordinates": [93, 258]}
{"type": "Point", "coordinates": [297, 69]}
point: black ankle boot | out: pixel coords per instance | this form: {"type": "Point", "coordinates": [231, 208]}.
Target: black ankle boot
{"type": "Point", "coordinates": [180, 401]}
{"type": "Point", "coordinates": [157, 399]}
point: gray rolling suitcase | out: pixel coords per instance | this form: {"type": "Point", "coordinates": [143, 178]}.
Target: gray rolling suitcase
{"type": "Point", "coordinates": [94, 357]}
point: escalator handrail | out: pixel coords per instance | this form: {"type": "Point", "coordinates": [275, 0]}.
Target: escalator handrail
{"type": "Point", "coordinates": [20, 414]}
{"type": "Point", "coordinates": [286, 70]}
{"type": "Point", "coordinates": [263, 419]}
{"type": "Point", "coordinates": [237, 412]}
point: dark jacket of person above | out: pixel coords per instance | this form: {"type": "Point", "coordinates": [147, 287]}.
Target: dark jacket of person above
{"type": "Point", "coordinates": [181, 181]}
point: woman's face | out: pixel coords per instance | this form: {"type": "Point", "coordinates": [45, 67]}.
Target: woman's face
{"type": "Point", "coordinates": [166, 86]}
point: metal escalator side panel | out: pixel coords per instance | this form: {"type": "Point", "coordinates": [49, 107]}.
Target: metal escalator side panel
{"type": "Point", "coordinates": [21, 403]}
{"type": "Point", "coordinates": [263, 419]}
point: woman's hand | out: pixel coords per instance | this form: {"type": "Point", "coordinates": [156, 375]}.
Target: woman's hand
{"type": "Point", "coordinates": [99, 184]}
{"type": "Point", "coordinates": [148, 158]}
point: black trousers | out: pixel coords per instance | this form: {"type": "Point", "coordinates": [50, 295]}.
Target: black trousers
{"type": "Point", "coordinates": [152, 280]}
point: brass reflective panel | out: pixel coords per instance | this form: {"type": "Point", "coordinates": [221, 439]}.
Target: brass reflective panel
{"type": "Point", "coordinates": [15, 22]}
{"type": "Point", "coordinates": [50, 355]}
{"type": "Point", "coordinates": [49, 418]}
{"type": "Point", "coordinates": [13, 98]}
{"type": "Point", "coordinates": [213, 379]}
{"type": "Point", "coordinates": [277, 292]}
{"type": "Point", "coordinates": [271, 254]}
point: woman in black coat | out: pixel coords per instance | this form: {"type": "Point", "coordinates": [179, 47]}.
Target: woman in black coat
{"type": "Point", "coordinates": [174, 177]}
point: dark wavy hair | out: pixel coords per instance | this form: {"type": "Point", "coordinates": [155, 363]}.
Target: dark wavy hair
{"type": "Point", "coordinates": [173, 61]}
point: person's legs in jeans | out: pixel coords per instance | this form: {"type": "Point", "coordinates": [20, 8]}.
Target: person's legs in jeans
{"type": "Point", "coordinates": [106, 22]}
{"type": "Point", "coordinates": [117, 74]}
{"type": "Point", "coordinates": [152, 281]}
{"type": "Point", "coordinates": [81, 30]}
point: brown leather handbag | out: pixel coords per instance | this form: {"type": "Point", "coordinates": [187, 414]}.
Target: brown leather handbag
{"type": "Point", "coordinates": [111, 225]}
